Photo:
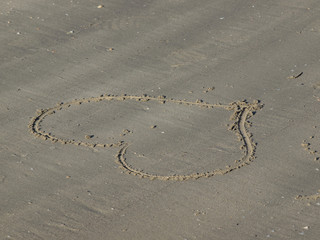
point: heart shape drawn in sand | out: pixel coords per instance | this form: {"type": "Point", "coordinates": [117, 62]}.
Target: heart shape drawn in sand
{"type": "Point", "coordinates": [242, 111]}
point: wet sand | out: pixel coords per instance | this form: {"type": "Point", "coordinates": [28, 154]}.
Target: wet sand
{"type": "Point", "coordinates": [159, 119]}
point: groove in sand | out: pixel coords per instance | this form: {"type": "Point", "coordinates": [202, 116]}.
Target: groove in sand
{"type": "Point", "coordinates": [242, 111]}
{"type": "Point", "coordinates": [316, 156]}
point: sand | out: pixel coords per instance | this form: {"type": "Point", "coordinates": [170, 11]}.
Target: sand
{"type": "Point", "coordinates": [217, 102]}
{"type": "Point", "coordinates": [242, 111]}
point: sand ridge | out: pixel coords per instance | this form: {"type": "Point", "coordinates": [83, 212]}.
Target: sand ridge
{"type": "Point", "coordinates": [242, 111]}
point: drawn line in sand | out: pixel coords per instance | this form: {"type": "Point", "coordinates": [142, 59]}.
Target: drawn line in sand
{"type": "Point", "coordinates": [242, 111]}
{"type": "Point", "coordinates": [316, 157]}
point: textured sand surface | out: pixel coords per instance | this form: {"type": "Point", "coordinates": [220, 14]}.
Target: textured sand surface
{"type": "Point", "coordinates": [211, 59]}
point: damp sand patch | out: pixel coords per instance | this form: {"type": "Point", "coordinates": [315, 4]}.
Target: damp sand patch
{"type": "Point", "coordinates": [241, 112]}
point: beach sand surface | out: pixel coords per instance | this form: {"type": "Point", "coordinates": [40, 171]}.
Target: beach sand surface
{"type": "Point", "coordinates": [69, 135]}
